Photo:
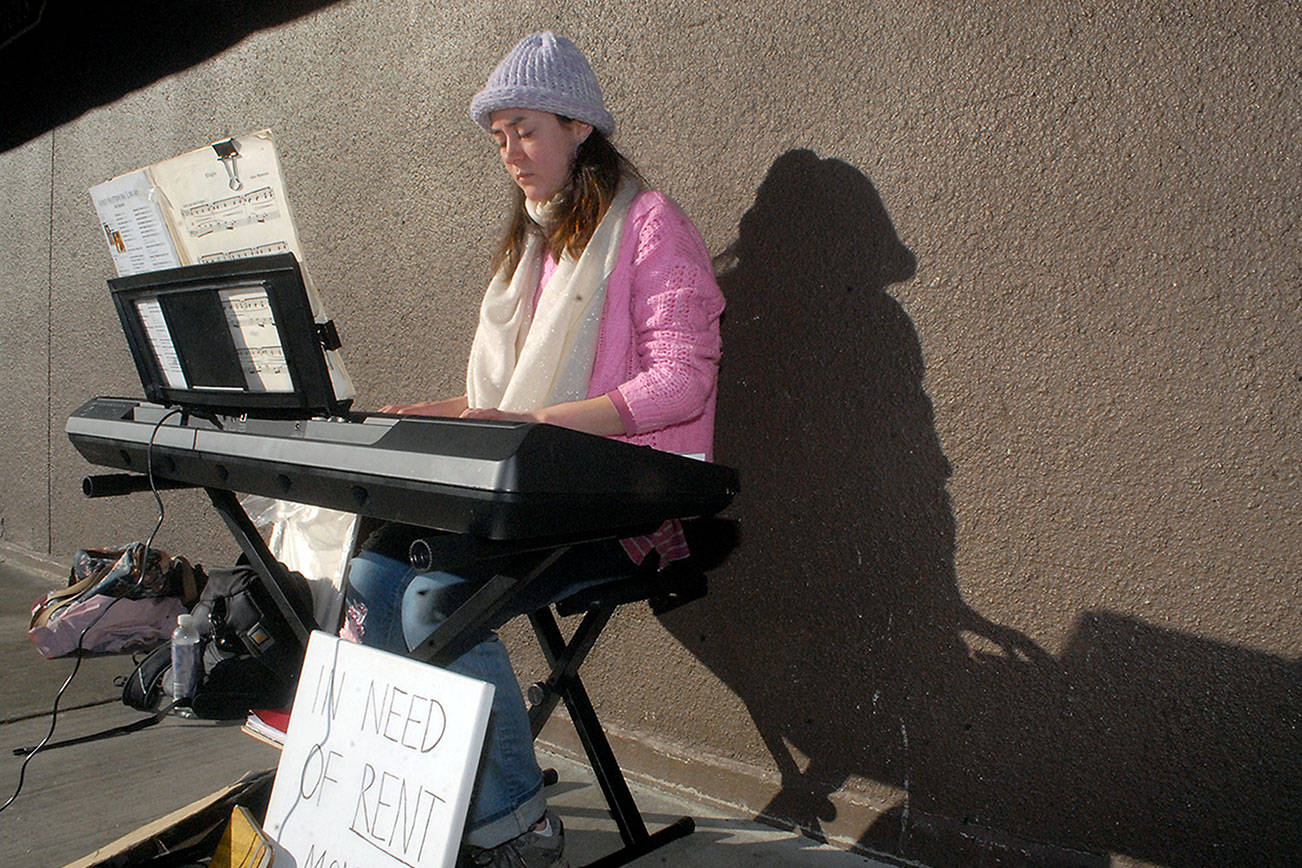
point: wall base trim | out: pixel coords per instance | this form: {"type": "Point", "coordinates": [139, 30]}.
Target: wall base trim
{"type": "Point", "coordinates": [885, 830]}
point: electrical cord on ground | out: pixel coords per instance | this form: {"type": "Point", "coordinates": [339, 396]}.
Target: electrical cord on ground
{"type": "Point", "coordinates": [143, 565]}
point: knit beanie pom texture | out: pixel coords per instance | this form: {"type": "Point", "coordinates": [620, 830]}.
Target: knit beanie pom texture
{"type": "Point", "coordinates": [544, 72]}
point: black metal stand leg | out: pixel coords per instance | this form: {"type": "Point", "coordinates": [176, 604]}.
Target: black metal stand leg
{"type": "Point", "coordinates": [680, 828]}
{"type": "Point", "coordinates": [564, 660]}
{"type": "Point", "coordinates": [275, 578]}
{"type": "Point", "coordinates": [443, 645]}
{"type": "Point", "coordinates": [567, 664]}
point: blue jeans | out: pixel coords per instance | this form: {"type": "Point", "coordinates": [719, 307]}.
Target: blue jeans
{"type": "Point", "coordinates": [389, 605]}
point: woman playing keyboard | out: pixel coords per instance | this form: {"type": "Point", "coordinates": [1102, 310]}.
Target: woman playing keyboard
{"type": "Point", "coordinates": [602, 316]}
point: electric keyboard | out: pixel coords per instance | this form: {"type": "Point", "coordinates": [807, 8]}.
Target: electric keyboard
{"type": "Point", "coordinates": [491, 479]}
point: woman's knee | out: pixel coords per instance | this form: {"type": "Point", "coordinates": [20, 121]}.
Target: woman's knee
{"type": "Point", "coordinates": [427, 602]}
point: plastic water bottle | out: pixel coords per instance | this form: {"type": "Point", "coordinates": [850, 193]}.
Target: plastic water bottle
{"type": "Point", "coordinates": [186, 664]}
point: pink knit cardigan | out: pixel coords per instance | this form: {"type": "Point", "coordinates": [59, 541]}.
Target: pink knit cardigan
{"type": "Point", "coordinates": [657, 354]}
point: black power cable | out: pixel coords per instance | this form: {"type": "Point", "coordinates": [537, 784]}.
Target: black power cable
{"type": "Point", "coordinates": [143, 565]}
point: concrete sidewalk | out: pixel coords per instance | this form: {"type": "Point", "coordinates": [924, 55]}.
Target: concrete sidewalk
{"type": "Point", "coordinates": [78, 798]}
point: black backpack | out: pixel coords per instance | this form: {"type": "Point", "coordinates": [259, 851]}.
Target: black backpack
{"type": "Point", "coordinates": [251, 656]}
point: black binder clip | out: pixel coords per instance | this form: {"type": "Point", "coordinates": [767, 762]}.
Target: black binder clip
{"type": "Point", "coordinates": [227, 151]}
{"type": "Point", "coordinates": [328, 335]}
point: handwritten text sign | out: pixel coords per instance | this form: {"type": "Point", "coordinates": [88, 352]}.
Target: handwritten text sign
{"type": "Point", "coordinates": [378, 761]}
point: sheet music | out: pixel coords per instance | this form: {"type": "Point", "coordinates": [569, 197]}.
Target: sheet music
{"type": "Point", "coordinates": [134, 225]}
{"type": "Point", "coordinates": [237, 208]}
{"type": "Point", "coordinates": [223, 201]}
{"type": "Point", "coordinates": [160, 340]}
{"type": "Point", "coordinates": [253, 328]}
{"type": "Point", "coordinates": [228, 209]}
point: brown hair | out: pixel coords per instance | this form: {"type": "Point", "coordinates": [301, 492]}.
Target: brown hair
{"type": "Point", "coordinates": [594, 178]}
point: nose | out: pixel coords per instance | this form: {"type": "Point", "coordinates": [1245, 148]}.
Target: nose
{"type": "Point", "coordinates": [512, 153]}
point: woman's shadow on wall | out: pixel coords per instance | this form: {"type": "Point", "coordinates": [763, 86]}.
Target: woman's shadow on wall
{"type": "Point", "coordinates": [837, 618]}
{"type": "Point", "coordinates": [844, 575]}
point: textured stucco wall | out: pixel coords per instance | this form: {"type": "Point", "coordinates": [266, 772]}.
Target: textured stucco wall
{"type": "Point", "coordinates": [1011, 372]}
{"type": "Point", "coordinates": [24, 350]}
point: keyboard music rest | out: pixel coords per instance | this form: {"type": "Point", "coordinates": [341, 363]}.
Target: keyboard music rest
{"type": "Point", "coordinates": [494, 480]}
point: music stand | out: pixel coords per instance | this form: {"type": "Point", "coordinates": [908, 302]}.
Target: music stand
{"type": "Point", "coordinates": [235, 338]}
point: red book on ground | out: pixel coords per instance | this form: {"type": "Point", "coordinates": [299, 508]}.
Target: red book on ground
{"type": "Point", "coordinates": [268, 724]}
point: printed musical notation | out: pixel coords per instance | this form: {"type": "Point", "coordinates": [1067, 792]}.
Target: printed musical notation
{"type": "Point", "coordinates": [211, 221]}
{"type": "Point", "coordinates": [248, 310]}
{"type": "Point", "coordinates": [182, 210]}
{"type": "Point", "coordinates": [252, 325]}
{"type": "Point", "coordinates": [262, 363]}
{"type": "Point", "coordinates": [189, 209]}
{"type": "Point", "coordinates": [246, 252]}
{"type": "Point", "coordinates": [232, 212]}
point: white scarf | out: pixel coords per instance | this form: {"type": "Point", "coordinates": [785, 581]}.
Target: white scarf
{"type": "Point", "coordinates": [523, 359]}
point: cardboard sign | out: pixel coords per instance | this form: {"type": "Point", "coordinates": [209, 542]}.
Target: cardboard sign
{"type": "Point", "coordinates": [378, 762]}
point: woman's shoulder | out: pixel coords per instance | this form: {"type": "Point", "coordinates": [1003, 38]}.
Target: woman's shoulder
{"type": "Point", "coordinates": [653, 214]}
{"type": "Point", "coordinates": [650, 201]}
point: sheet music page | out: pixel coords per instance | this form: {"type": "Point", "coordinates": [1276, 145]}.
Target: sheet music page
{"type": "Point", "coordinates": [253, 329]}
{"type": "Point", "coordinates": [228, 208]}
{"type": "Point", "coordinates": [236, 208]}
{"type": "Point", "coordinates": [160, 340]}
{"type": "Point", "coordinates": [134, 225]}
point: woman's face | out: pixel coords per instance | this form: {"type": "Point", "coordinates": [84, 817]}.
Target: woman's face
{"type": "Point", "coordinates": [537, 149]}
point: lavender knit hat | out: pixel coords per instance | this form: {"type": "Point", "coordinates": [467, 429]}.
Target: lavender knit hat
{"type": "Point", "coordinates": [547, 73]}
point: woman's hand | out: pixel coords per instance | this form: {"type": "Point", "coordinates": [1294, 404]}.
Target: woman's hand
{"type": "Point", "coordinates": [491, 413]}
{"type": "Point", "coordinates": [593, 415]}
{"type": "Point", "coordinates": [446, 407]}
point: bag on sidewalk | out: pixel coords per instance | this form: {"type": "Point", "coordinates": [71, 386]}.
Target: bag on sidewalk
{"type": "Point", "coordinates": [111, 606]}
{"type": "Point", "coordinates": [251, 657]}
